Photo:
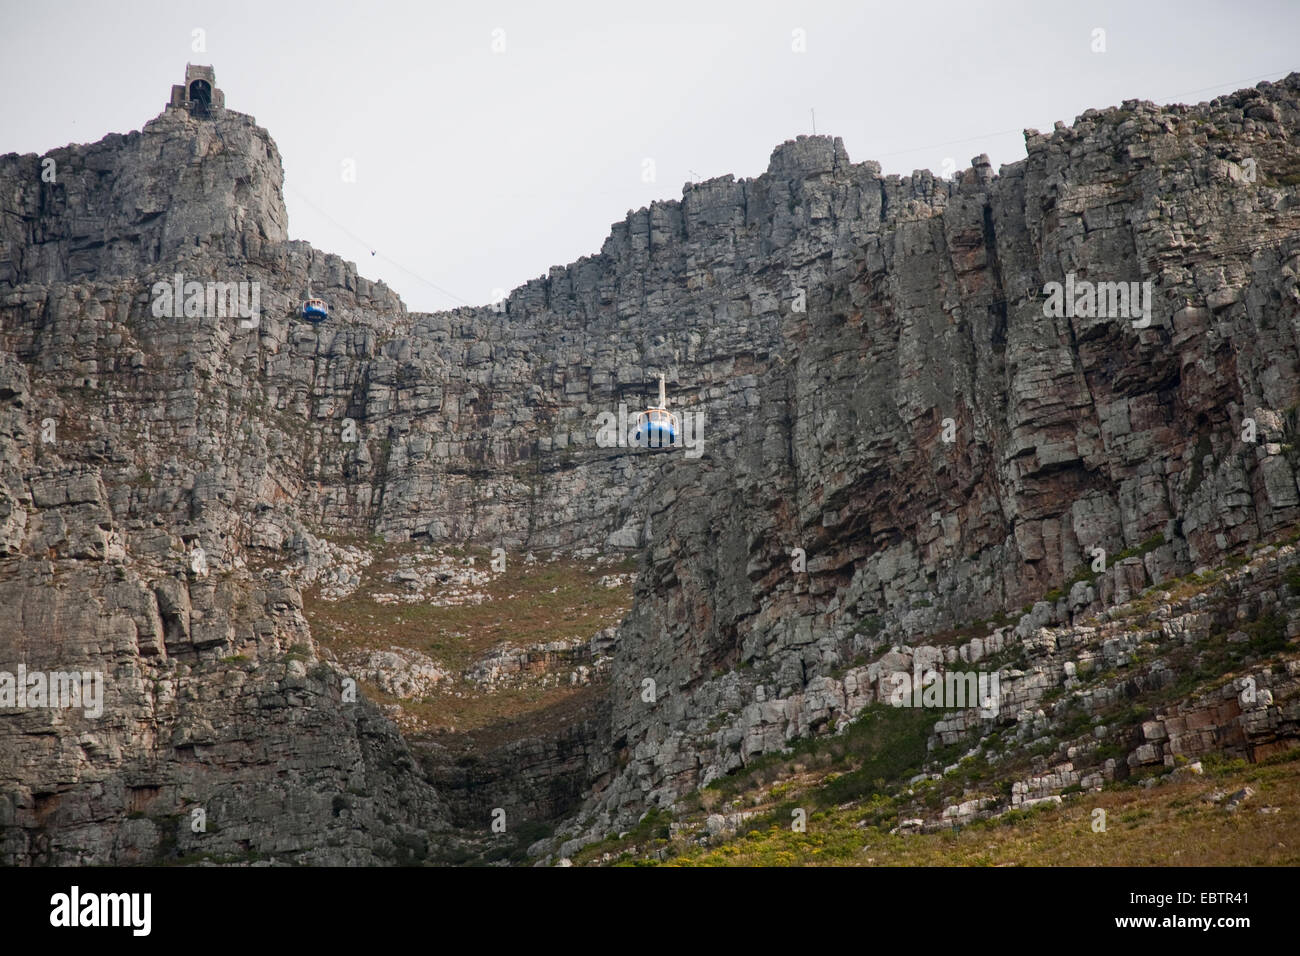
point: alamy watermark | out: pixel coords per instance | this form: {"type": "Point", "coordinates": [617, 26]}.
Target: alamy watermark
{"type": "Point", "coordinates": [1102, 300]}
{"type": "Point", "coordinates": [208, 300]}
{"type": "Point", "coordinates": [62, 689]}
{"type": "Point", "coordinates": [76, 909]}
{"type": "Point", "coordinates": [949, 690]}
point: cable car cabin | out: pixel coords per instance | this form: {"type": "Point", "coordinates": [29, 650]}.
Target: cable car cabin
{"type": "Point", "coordinates": [314, 310]}
{"type": "Point", "coordinates": [656, 428]}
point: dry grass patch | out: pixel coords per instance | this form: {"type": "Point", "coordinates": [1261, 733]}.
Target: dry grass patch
{"type": "Point", "coordinates": [547, 601]}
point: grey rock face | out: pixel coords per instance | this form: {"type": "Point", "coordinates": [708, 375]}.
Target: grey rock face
{"type": "Point", "coordinates": [877, 379]}
{"type": "Point", "coordinates": [1064, 433]}
{"type": "Point", "coordinates": [261, 745]}
{"type": "Point", "coordinates": [120, 205]}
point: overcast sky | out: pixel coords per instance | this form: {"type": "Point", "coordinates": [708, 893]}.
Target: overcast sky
{"type": "Point", "coordinates": [479, 169]}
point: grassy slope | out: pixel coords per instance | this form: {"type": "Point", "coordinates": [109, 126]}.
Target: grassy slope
{"type": "Point", "coordinates": [1173, 823]}
{"type": "Point", "coordinates": [529, 604]}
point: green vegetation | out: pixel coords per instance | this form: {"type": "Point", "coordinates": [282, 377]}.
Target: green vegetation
{"type": "Point", "coordinates": [1267, 633]}
{"type": "Point", "coordinates": [869, 625]}
{"type": "Point", "coordinates": [649, 834]}
{"type": "Point", "coordinates": [1176, 821]}
{"type": "Point", "coordinates": [882, 744]}
{"type": "Point", "coordinates": [1293, 579]}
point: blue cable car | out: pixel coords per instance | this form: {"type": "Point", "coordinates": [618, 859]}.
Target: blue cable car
{"type": "Point", "coordinates": [315, 310]}
{"type": "Point", "coordinates": [657, 427]}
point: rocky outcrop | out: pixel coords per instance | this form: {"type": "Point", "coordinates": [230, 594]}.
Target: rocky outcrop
{"type": "Point", "coordinates": [118, 207]}
{"type": "Point", "coordinates": [197, 750]}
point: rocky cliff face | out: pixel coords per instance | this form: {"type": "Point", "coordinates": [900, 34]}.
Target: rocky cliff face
{"type": "Point", "coordinates": [118, 462]}
{"type": "Point", "coordinates": [127, 203]}
{"type": "Point", "coordinates": [1066, 433]}
{"type": "Point", "coordinates": [879, 387]}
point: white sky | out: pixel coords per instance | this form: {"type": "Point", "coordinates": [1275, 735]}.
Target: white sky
{"type": "Point", "coordinates": [478, 170]}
